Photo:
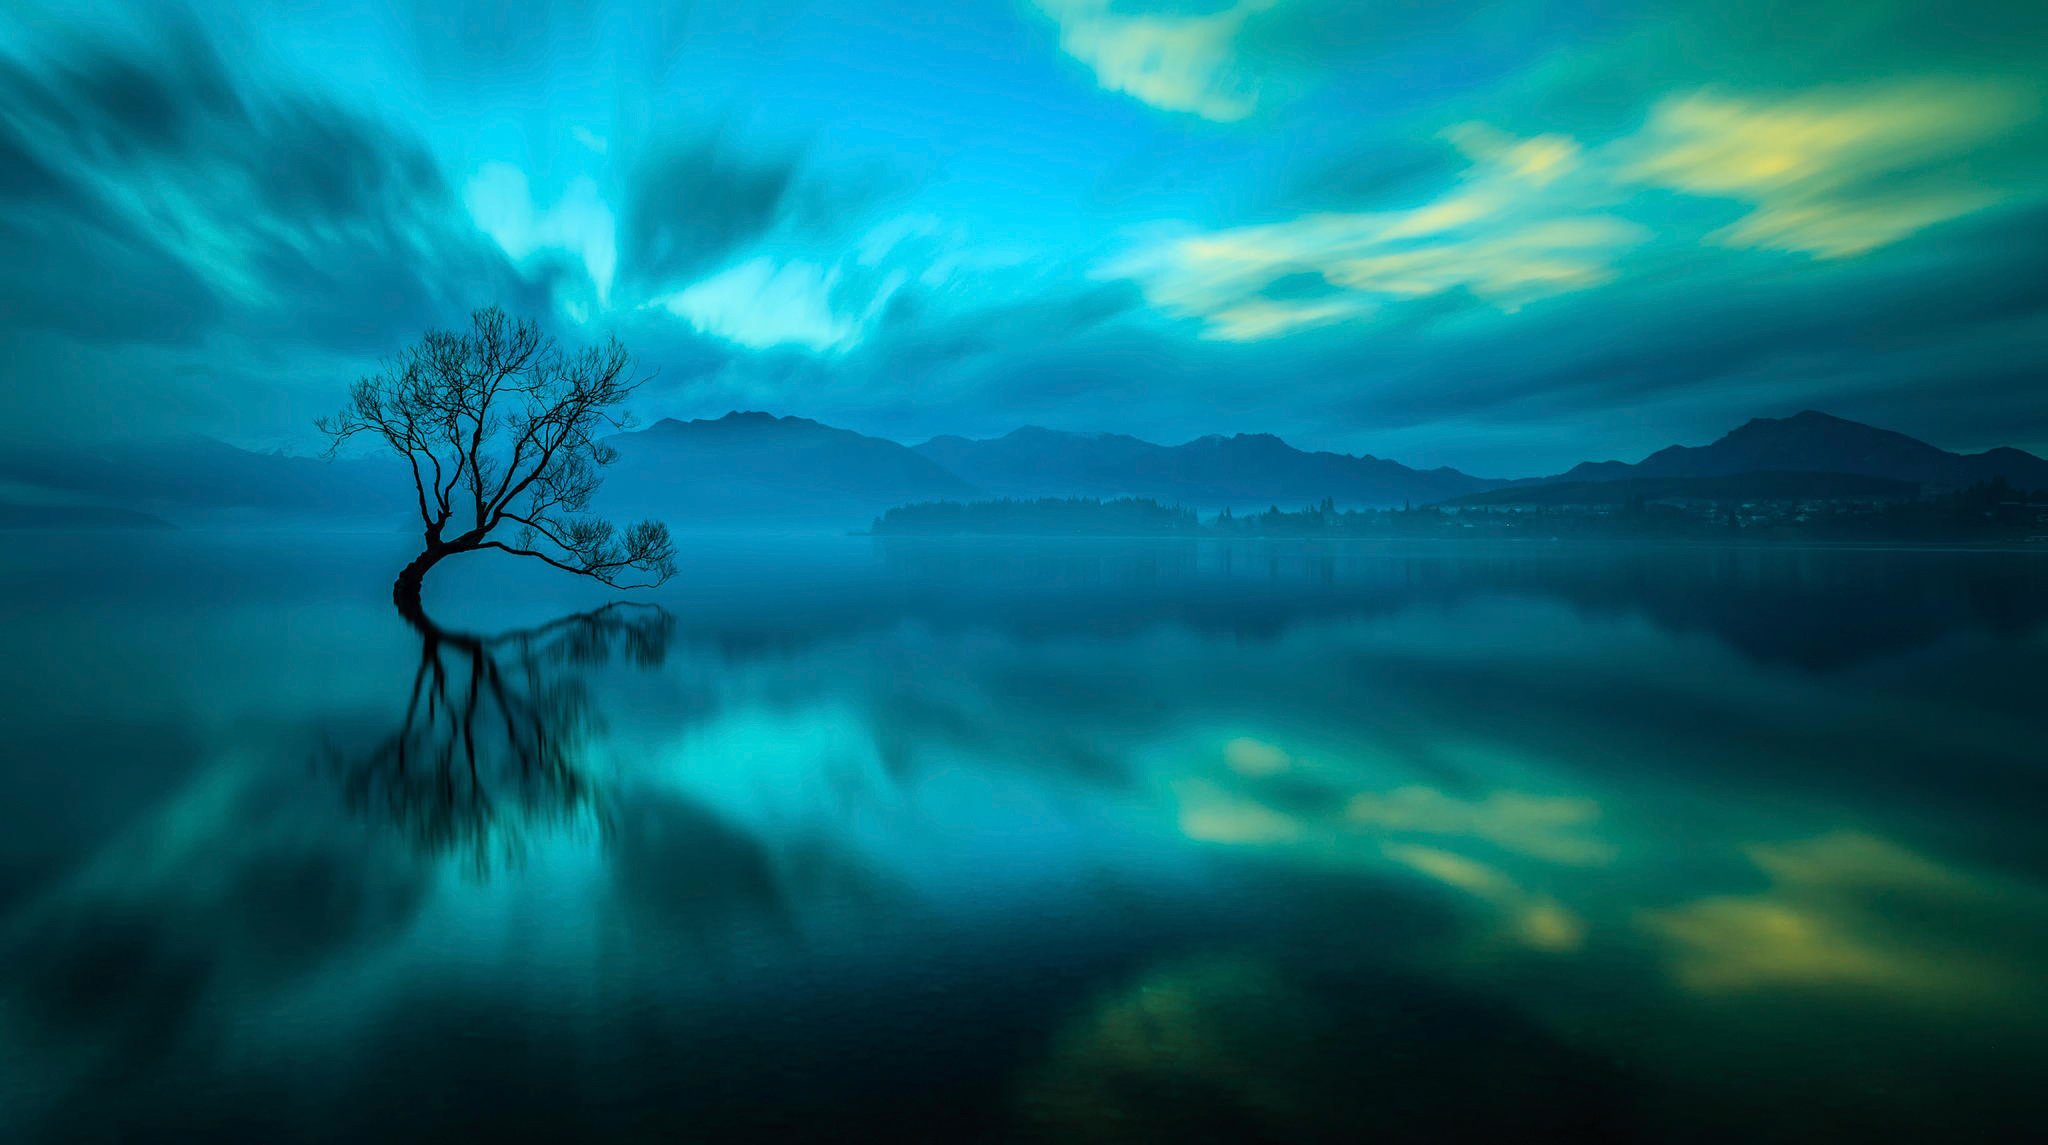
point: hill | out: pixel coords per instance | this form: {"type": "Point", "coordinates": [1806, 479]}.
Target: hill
{"type": "Point", "coordinates": [1244, 471]}
{"type": "Point", "coordinates": [750, 466]}
{"type": "Point", "coordinates": [1815, 442]}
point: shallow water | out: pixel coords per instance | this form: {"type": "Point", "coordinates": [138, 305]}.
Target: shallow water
{"type": "Point", "coordinates": [1112, 841]}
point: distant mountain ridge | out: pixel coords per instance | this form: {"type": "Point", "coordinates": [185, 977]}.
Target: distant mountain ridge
{"type": "Point", "coordinates": [1815, 442]}
{"type": "Point", "coordinates": [1246, 470]}
{"type": "Point", "coordinates": [756, 467]}
{"type": "Point", "coordinates": [749, 465]}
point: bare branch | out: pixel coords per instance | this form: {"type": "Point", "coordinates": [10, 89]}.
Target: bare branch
{"type": "Point", "coordinates": [503, 418]}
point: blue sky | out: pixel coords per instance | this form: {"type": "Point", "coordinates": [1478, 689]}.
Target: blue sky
{"type": "Point", "coordinates": [1501, 236]}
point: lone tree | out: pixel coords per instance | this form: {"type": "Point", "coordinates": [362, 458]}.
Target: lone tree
{"type": "Point", "coordinates": [501, 428]}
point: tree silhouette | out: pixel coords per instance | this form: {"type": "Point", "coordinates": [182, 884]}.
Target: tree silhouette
{"type": "Point", "coordinates": [493, 730]}
{"type": "Point", "coordinates": [501, 426]}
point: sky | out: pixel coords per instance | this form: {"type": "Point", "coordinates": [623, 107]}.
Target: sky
{"type": "Point", "coordinates": [1506, 237]}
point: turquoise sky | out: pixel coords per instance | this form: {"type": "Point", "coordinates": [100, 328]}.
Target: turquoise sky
{"type": "Point", "coordinates": [1501, 236]}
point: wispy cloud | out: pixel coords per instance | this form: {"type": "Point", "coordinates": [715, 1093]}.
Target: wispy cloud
{"type": "Point", "coordinates": [1830, 175]}
{"type": "Point", "coordinates": [579, 223]}
{"type": "Point", "coordinates": [762, 303]}
{"type": "Point", "coordinates": [1513, 230]}
{"type": "Point", "coordinates": [1174, 61]}
{"type": "Point", "coordinates": [1834, 174]}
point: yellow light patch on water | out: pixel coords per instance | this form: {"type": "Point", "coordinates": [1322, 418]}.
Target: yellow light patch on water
{"type": "Point", "coordinates": [1534, 920]}
{"type": "Point", "coordinates": [1254, 759]}
{"type": "Point", "coordinates": [1840, 914]}
{"type": "Point", "coordinates": [1210, 814]}
{"type": "Point", "coordinates": [1550, 828]}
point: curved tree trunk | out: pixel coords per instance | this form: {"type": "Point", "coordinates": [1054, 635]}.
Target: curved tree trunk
{"type": "Point", "coordinates": [405, 591]}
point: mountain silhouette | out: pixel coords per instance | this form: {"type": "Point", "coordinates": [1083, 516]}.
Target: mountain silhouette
{"type": "Point", "coordinates": [750, 465]}
{"type": "Point", "coordinates": [1815, 442]}
{"type": "Point", "coordinates": [1244, 471]}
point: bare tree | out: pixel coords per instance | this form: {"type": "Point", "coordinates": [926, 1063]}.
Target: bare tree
{"type": "Point", "coordinates": [503, 431]}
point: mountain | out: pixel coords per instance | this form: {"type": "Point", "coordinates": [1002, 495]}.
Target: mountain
{"type": "Point", "coordinates": [192, 476]}
{"type": "Point", "coordinates": [1246, 471]}
{"type": "Point", "coordinates": [759, 467]}
{"type": "Point", "coordinates": [1814, 442]}
{"type": "Point", "coordinates": [1725, 487]}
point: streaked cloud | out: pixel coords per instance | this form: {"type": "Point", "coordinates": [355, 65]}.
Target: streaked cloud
{"type": "Point", "coordinates": [579, 223]}
{"type": "Point", "coordinates": [1174, 61]}
{"type": "Point", "coordinates": [1499, 236]}
{"type": "Point", "coordinates": [1832, 174]}
{"type": "Point", "coordinates": [762, 303]}
{"type": "Point", "coordinates": [1516, 229]}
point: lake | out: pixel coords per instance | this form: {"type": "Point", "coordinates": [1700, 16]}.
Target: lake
{"type": "Point", "coordinates": [1117, 841]}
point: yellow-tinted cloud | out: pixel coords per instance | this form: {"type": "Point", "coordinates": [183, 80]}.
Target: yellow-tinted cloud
{"type": "Point", "coordinates": [1539, 161]}
{"type": "Point", "coordinates": [1831, 174]}
{"type": "Point", "coordinates": [1173, 61]}
{"type": "Point", "coordinates": [1513, 231]}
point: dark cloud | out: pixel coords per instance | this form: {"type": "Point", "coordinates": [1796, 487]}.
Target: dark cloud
{"type": "Point", "coordinates": [159, 198]}
{"type": "Point", "coordinates": [694, 200]}
{"type": "Point", "coordinates": [690, 203]}
{"type": "Point", "coordinates": [1919, 319]}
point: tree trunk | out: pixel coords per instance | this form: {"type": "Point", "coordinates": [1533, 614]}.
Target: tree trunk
{"type": "Point", "coordinates": [405, 591]}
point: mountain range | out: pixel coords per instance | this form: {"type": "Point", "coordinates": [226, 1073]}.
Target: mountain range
{"type": "Point", "coordinates": [1245, 471]}
{"type": "Point", "coordinates": [756, 466]}
{"type": "Point", "coordinates": [749, 467]}
{"type": "Point", "coordinates": [1815, 442]}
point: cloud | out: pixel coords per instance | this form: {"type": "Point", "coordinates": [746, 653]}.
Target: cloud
{"type": "Point", "coordinates": [1173, 61]}
{"type": "Point", "coordinates": [1509, 233]}
{"type": "Point", "coordinates": [762, 303]}
{"type": "Point", "coordinates": [165, 200]}
{"type": "Point", "coordinates": [578, 223]}
{"type": "Point", "coordinates": [690, 203]}
{"type": "Point", "coordinates": [1832, 174]}
{"type": "Point", "coordinates": [822, 301]}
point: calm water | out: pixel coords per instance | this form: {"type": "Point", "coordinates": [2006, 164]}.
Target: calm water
{"type": "Point", "coordinates": [1098, 842]}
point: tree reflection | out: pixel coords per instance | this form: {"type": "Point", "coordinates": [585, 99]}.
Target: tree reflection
{"type": "Point", "coordinates": [491, 742]}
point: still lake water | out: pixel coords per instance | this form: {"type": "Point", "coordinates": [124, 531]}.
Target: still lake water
{"type": "Point", "coordinates": [958, 842]}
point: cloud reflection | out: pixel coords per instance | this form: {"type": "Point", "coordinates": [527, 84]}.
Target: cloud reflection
{"type": "Point", "coordinates": [1847, 910]}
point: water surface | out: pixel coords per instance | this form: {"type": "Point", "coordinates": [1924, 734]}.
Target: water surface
{"type": "Point", "coordinates": [1020, 841]}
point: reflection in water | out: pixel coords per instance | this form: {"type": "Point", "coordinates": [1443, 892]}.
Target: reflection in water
{"type": "Point", "coordinates": [1852, 911]}
{"type": "Point", "coordinates": [1100, 842]}
{"type": "Point", "coordinates": [489, 747]}
{"type": "Point", "coordinates": [1231, 1047]}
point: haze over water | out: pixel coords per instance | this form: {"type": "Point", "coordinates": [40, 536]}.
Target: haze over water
{"type": "Point", "coordinates": [992, 841]}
